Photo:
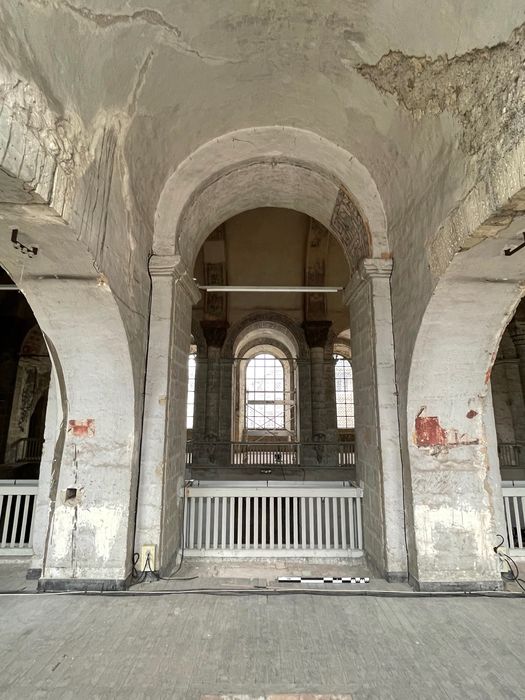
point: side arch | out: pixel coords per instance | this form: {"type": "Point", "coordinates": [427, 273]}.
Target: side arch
{"type": "Point", "coordinates": [454, 489]}
{"type": "Point", "coordinates": [88, 538]}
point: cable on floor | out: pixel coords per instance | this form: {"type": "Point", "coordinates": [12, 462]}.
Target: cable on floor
{"type": "Point", "coordinates": [514, 573]}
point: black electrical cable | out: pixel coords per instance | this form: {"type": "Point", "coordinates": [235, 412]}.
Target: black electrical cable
{"type": "Point", "coordinates": [514, 574]}
{"type": "Point", "coordinates": [135, 575]}
{"type": "Point", "coordinates": [162, 578]}
{"type": "Point", "coordinates": [281, 591]}
{"type": "Point", "coordinates": [147, 567]}
{"type": "Point", "coordinates": [182, 542]}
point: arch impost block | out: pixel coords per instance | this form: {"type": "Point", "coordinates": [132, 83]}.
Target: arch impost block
{"type": "Point", "coordinates": [189, 286]}
{"type": "Point", "coordinates": [368, 269]}
{"type": "Point", "coordinates": [173, 266]}
{"type": "Point", "coordinates": [166, 266]}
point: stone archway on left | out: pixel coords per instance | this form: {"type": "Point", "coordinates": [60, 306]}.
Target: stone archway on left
{"type": "Point", "coordinates": [84, 517]}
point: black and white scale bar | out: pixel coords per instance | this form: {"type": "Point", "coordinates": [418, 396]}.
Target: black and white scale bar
{"type": "Point", "coordinates": [323, 579]}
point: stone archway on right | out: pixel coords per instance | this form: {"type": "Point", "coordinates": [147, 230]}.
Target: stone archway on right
{"type": "Point", "coordinates": [453, 493]}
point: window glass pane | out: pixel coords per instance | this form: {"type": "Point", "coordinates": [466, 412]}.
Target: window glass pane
{"type": "Point", "coordinates": [264, 393]}
{"type": "Point", "coordinates": [190, 406]}
{"type": "Point", "coordinates": [344, 394]}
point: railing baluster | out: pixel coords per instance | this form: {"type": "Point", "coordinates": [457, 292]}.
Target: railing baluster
{"type": "Point", "coordinates": [352, 521]}
{"type": "Point", "coordinates": [191, 516]}
{"type": "Point", "coordinates": [214, 503]}
{"type": "Point", "coordinates": [327, 523]}
{"type": "Point", "coordinates": [335, 522]}
{"type": "Point", "coordinates": [295, 533]}
{"type": "Point", "coordinates": [207, 526]}
{"type": "Point", "coordinates": [255, 539]}
{"type": "Point", "coordinates": [200, 518]}
{"type": "Point", "coordinates": [7, 512]}
{"type": "Point", "coordinates": [357, 502]}
{"type": "Point", "coordinates": [518, 522]}
{"type": "Point", "coordinates": [240, 503]}
{"type": "Point", "coordinates": [233, 504]}
{"type": "Point", "coordinates": [319, 543]}
{"type": "Point", "coordinates": [271, 501]}
{"type": "Point", "coordinates": [263, 522]}
{"type": "Point", "coordinates": [303, 522]}
{"type": "Point", "coordinates": [279, 523]}
{"type": "Point", "coordinates": [248, 518]}
{"type": "Point", "coordinates": [223, 522]}
{"type": "Point", "coordinates": [342, 509]}
{"type": "Point", "coordinates": [311, 522]}
{"type": "Point", "coordinates": [508, 519]}
{"type": "Point", "coordinates": [23, 542]}
{"type": "Point", "coordinates": [287, 520]}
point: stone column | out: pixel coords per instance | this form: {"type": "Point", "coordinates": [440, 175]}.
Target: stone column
{"type": "Point", "coordinates": [515, 372]}
{"type": "Point", "coordinates": [517, 333]}
{"type": "Point", "coordinates": [316, 333]}
{"type": "Point", "coordinates": [225, 409]}
{"type": "Point", "coordinates": [331, 405]}
{"type": "Point", "coordinates": [215, 335]}
{"type": "Point", "coordinates": [502, 397]}
{"type": "Point", "coordinates": [377, 429]}
{"type": "Point", "coordinates": [164, 428]}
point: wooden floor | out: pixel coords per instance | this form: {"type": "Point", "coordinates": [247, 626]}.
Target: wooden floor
{"type": "Point", "coordinates": [191, 645]}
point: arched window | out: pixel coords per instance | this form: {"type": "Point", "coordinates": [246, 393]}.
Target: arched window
{"type": "Point", "coordinates": [264, 397]}
{"type": "Point", "coordinates": [344, 392]}
{"type": "Point", "coordinates": [190, 406]}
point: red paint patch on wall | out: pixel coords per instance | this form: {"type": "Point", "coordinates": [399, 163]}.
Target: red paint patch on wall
{"type": "Point", "coordinates": [472, 414]}
{"type": "Point", "coordinates": [429, 432]}
{"type": "Point", "coordinates": [82, 428]}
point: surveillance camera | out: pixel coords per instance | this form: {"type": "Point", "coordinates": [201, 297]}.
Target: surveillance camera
{"type": "Point", "coordinates": [23, 243]}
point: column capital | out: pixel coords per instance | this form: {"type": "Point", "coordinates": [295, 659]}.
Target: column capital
{"type": "Point", "coordinates": [214, 332]}
{"type": "Point", "coordinates": [316, 333]}
{"type": "Point", "coordinates": [368, 269]}
{"type": "Point", "coordinates": [173, 266]}
{"type": "Point", "coordinates": [166, 266]}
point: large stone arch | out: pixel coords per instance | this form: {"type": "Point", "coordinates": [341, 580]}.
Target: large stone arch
{"type": "Point", "coordinates": [91, 430]}
{"type": "Point", "coordinates": [266, 322]}
{"type": "Point", "coordinates": [270, 166]}
{"type": "Point", "coordinates": [453, 493]}
{"type": "Point", "coordinates": [288, 168]}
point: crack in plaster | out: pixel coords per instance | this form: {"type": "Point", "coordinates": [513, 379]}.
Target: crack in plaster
{"type": "Point", "coordinates": [484, 88]}
{"type": "Point", "coordinates": [139, 84]}
{"type": "Point", "coordinates": [154, 19]}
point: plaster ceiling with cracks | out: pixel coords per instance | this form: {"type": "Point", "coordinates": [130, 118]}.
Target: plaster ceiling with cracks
{"type": "Point", "coordinates": [175, 75]}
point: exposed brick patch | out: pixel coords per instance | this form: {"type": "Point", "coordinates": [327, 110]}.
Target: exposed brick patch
{"type": "Point", "coordinates": [430, 433]}
{"type": "Point", "coordinates": [82, 428]}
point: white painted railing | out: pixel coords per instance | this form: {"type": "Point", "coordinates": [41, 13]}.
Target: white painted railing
{"type": "Point", "coordinates": [17, 507]}
{"type": "Point", "coordinates": [346, 454]}
{"type": "Point", "coordinates": [514, 502]}
{"type": "Point", "coordinates": [260, 453]}
{"type": "Point", "coordinates": [267, 453]}
{"type": "Point", "coordinates": [29, 449]}
{"type": "Point", "coordinates": [271, 519]}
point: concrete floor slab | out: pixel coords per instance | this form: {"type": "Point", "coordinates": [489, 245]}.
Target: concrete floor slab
{"type": "Point", "coordinates": [255, 645]}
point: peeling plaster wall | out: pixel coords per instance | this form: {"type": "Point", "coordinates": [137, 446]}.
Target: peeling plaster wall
{"type": "Point", "coordinates": [101, 102]}
{"type": "Point", "coordinates": [342, 70]}
{"type": "Point", "coordinates": [453, 493]}
{"type": "Point", "coordinates": [480, 94]}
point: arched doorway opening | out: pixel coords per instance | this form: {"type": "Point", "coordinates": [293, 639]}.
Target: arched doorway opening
{"type": "Point", "coordinates": [85, 488]}
{"type": "Point", "coordinates": [297, 170]}
{"type": "Point", "coordinates": [453, 492]}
